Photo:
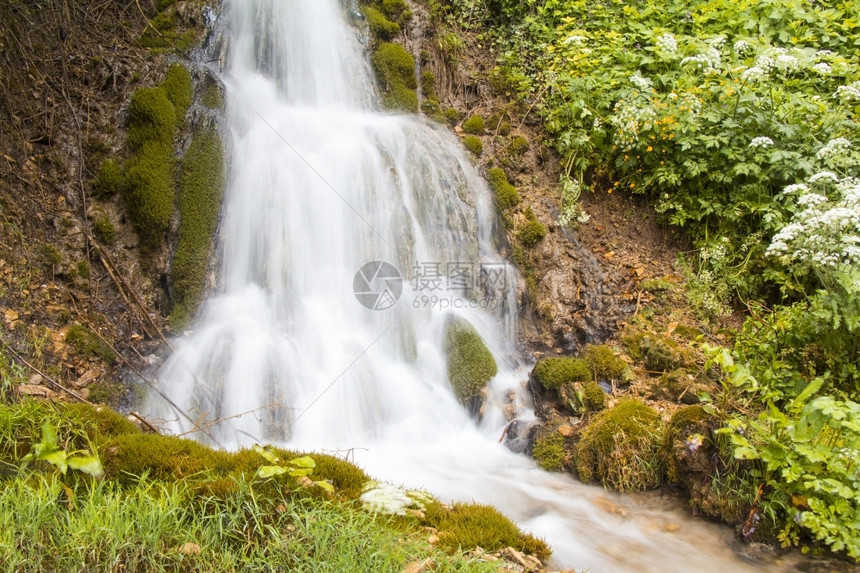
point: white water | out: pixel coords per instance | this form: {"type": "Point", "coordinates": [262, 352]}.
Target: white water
{"type": "Point", "coordinates": [320, 184]}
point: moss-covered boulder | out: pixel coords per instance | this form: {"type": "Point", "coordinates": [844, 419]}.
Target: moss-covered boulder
{"type": "Point", "coordinates": [553, 372]}
{"type": "Point", "coordinates": [395, 72]}
{"type": "Point", "coordinates": [548, 447]}
{"type": "Point", "coordinates": [380, 26]}
{"type": "Point", "coordinates": [178, 89]}
{"type": "Point", "coordinates": [620, 448]}
{"type": "Point", "coordinates": [470, 363]}
{"type": "Point", "coordinates": [604, 363]}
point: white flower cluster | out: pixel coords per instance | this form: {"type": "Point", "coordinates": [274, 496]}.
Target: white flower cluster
{"type": "Point", "coordinates": [641, 82]}
{"type": "Point", "coordinates": [630, 119]}
{"type": "Point", "coordinates": [762, 141]}
{"type": "Point", "coordinates": [742, 47]}
{"type": "Point", "coordinates": [708, 61]}
{"type": "Point", "coordinates": [575, 39]}
{"type": "Point", "coordinates": [849, 93]}
{"type": "Point", "coordinates": [754, 74]}
{"type": "Point", "coordinates": [838, 147]}
{"type": "Point", "coordinates": [822, 68]}
{"type": "Point", "coordinates": [823, 232]}
{"type": "Point", "coordinates": [667, 45]}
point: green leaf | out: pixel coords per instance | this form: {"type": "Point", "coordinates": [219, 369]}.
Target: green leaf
{"type": "Point", "coordinates": [270, 471]}
{"type": "Point", "coordinates": [303, 462]}
{"type": "Point", "coordinates": [746, 453]}
{"type": "Point", "coordinates": [266, 454]}
{"type": "Point", "coordinates": [90, 465]}
{"type": "Point", "coordinates": [57, 459]}
{"type": "Point", "coordinates": [325, 485]}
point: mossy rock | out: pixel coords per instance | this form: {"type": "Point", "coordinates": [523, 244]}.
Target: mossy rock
{"type": "Point", "coordinates": [548, 448]}
{"type": "Point", "coordinates": [506, 194]}
{"type": "Point", "coordinates": [380, 26]}
{"type": "Point", "coordinates": [201, 188]}
{"type": "Point", "coordinates": [662, 354]}
{"type": "Point", "coordinates": [604, 363]}
{"type": "Point", "coordinates": [151, 119]}
{"type": "Point", "coordinates": [553, 372]}
{"type": "Point", "coordinates": [474, 144]}
{"type": "Point", "coordinates": [452, 116]}
{"type": "Point", "coordinates": [467, 526]}
{"type": "Point", "coordinates": [395, 72]}
{"type": "Point", "coordinates": [470, 363]}
{"type": "Point", "coordinates": [620, 448]}
{"type": "Point", "coordinates": [678, 385]}
{"type": "Point", "coordinates": [149, 191]}
{"type": "Point", "coordinates": [397, 10]}
{"type": "Point", "coordinates": [178, 89]}
{"type": "Point", "coordinates": [687, 448]}
{"type": "Point", "coordinates": [593, 396]}
{"type": "Point", "coordinates": [428, 85]}
{"type": "Point", "coordinates": [474, 125]}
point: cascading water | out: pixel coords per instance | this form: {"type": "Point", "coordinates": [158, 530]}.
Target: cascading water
{"type": "Point", "coordinates": [320, 184]}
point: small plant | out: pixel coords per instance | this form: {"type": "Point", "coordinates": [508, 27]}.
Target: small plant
{"type": "Point", "coordinates": [48, 451]}
{"type": "Point", "coordinates": [532, 232]}
{"type": "Point", "coordinates": [299, 468]}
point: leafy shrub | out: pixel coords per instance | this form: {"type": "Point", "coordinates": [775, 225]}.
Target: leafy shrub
{"type": "Point", "coordinates": [395, 72]}
{"type": "Point", "coordinates": [201, 186]}
{"type": "Point", "coordinates": [474, 125]}
{"type": "Point", "coordinates": [619, 447]}
{"type": "Point", "coordinates": [470, 363]}
{"type": "Point", "coordinates": [553, 372]}
{"type": "Point", "coordinates": [474, 144]}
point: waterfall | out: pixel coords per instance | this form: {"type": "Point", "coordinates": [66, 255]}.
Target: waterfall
{"type": "Point", "coordinates": [321, 183]}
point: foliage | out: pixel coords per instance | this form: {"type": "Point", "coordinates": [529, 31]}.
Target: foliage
{"type": "Point", "coordinates": [619, 447]}
{"type": "Point", "coordinates": [395, 72]}
{"type": "Point", "coordinates": [201, 187]}
{"type": "Point", "coordinates": [47, 450]}
{"type": "Point", "coordinates": [474, 144]}
{"type": "Point", "coordinates": [553, 372]}
{"type": "Point", "coordinates": [470, 363]}
{"type": "Point", "coordinates": [300, 467]}
{"type": "Point", "coordinates": [474, 125]}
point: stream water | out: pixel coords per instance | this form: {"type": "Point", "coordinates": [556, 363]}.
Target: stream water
{"type": "Point", "coordinates": [320, 184]}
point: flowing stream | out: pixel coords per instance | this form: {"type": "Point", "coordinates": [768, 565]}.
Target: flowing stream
{"type": "Point", "coordinates": [320, 184]}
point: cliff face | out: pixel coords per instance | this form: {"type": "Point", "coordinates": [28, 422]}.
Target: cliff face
{"type": "Point", "coordinates": [80, 299]}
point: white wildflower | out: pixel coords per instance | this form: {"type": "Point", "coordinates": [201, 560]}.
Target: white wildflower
{"type": "Point", "coordinates": [849, 93]}
{"type": "Point", "coordinates": [667, 45]}
{"type": "Point", "coordinates": [822, 69]}
{"type": "Point", "coordinates": [838, 146]}
{"type": "Point", "coordinates": [574, 39]}
{"type": "Point", "coordinates": [753, 74]}
{"type": "Point", "coordinates": [823, 176]}
{"type": "Point", "coordinates": [795, 188]}
{"type": "Point", "coordinates": [762, 141]}
{"type": "Point", "coordinates": [641, 81]}
{"type": "Point", "coordinates": [787, 63]}
{"type": "Point", "coordinates": [742, 47]}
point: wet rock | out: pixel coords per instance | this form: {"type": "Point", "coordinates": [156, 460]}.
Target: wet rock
{"type": "Point", "coordinates": [527, 562]}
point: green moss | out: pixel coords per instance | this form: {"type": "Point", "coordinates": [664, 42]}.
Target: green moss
{"type": "Point", "coordinates": [506, 194]}
{"type": "Point", "coordinates": [164, 33]}
{"type": "Point", "coordinates": [201, 187]}
{"type": "Point", "coordinates": [151, 118]}
{"type": "Point", "coordinates": [619, 447]}
{"type": "Point", "coordinates": [532, 232]}
{"type": "Point", "coordinates": [397, 10]}
{"type": "Point", "coordinates": [474, 144]}
{"type": "Point", "coordinates": [468, 526]}
{"type": "Point", "coordinates": [86, 343]}
{"type": "Point", "coordinates": [109, 179]}
{"type": "Point", "coordinates": [470, 363]}
{"type": "Point", "coordinates": [553, 372]}
{"type": "Point", "coordinates": [661, 354]}
{"type": "Point", "coordinates": [548, 449]}
{"type": "Point", "coordinates": [103, 228]}
{"type": "Point", "coordinates": [504, 128]}
{"type": "Point", "coordinates": [83, 269]}
{"type": "Point", "coordinates": [519, 145]}
{"type": "Point", "coordinates": [428, 84]}
{"type": "Point", "coordinates": [380, 26]}
{"type": "Point", "coordinates": [603, 362]}
{"type": "Point", "coordinates": [49, 255]}
{"type": "Point", "coordinates": [685, 422]}
{"type": "Point", "coordinates": [149, 191]}
{"type": "Point", "coordinates": [212, 98]}
{"type": "Point", "coordinates": [164, 458]}
{"type": "Point", "coordinates": [452, 116]}
{"type": "Point", "coordinates": [474, 125]}
{"type": "Point", "coordinates": [632, 343]}
{"type": "Point", "coordinates": [177, 86]}
{"type": "Point", "coordinates": [593, 396]}
{"type": "Point", "coordinates": [395, 72]}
